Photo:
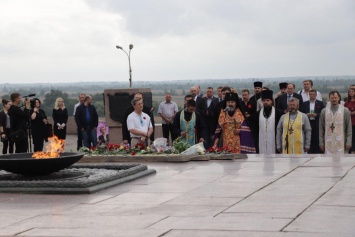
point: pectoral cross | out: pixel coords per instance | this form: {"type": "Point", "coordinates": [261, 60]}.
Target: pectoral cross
{"type": "Point", "coordinates": [290, 130]}
{"type": "Point", "coordinates": [332, 127]}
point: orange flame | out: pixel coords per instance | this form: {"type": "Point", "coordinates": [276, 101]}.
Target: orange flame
{"type": "Point", "coordinates": [53, 149]}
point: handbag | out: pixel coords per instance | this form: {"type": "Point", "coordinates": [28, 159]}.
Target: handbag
{"type": "Point", "coordinates": [18, 135]}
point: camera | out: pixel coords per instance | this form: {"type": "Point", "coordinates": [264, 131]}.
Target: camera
{"type": "Point", "coordinates": [26, 97]}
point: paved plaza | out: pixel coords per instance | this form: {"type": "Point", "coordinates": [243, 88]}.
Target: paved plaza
{"type": "Point", "coordinates": [255, 197]}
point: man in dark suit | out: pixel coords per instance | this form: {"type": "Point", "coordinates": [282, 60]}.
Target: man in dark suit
{"type": "Point", "coordinates": [219, 93]}
{"type": "Point", "coordinates": [200, 105]}
{"type": "Point", "coordinates": [290, 93]}
{"type": "Point", "coordinates": [248, 108]}
{"type": "Point", "coordinates": [19, 119]}
{"type": "Point", "coordinates": [209, 120]}
{"type": "Point", "coordinates": [313, 108]}
{"type": "Point", "coordinates": [87, 119]}
{"type": "Point", "coordinates": [283, 87]}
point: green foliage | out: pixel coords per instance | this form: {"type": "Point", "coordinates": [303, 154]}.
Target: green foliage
{"type": "Point", "coordinates": [98, 102]}
{"type": "Point", "coordinates": [156, 106]}
{"type": "Point", "coordinates": [42, 92]}
{"type": "Point", "coordinates": [97, 97]}
{"type": "Point", "coordinates": [179, 146]}
{"type": "Point", "coordinates": [49, 101]}
{"type": "Point", "coordinates": [6, 97]}
{"type": "Point", "coordinates": [49, 98]}
{"type": "Point", "coordinates": [69, 104]}
{"type": "Point", "coordinates": [173, 92]}
{"type": "Point", "coordinates": [99, 105]}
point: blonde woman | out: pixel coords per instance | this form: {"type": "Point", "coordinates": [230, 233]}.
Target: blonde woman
{"type": "Point", "coordinates": [60, 118]}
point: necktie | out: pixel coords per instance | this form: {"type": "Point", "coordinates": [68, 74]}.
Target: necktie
{"type": "Point", "coordinates": [288, 97]}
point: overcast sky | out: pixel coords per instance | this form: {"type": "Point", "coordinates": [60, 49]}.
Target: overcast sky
{"type": "Point", "coordinates": [74, 40]}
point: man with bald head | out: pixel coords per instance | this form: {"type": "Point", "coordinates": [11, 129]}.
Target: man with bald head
{"type": "Point", "coordinates": [201, 107]}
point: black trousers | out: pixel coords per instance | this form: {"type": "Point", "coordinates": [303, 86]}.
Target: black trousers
{"type": "Point", "coordinates": [38, 142]}
{"type": "Point", "coordinates": [80, 139]}
{"type": "Point", "coordinates": [168, 128]}
{"type": "Point", "coordinates": [22, 146]}
{"type": "Point", "coordinates": [314, 148]}
{"type": "Point", "coordinates": [352, 141]}
{"type": "Point", "coordinates": [7, 144]}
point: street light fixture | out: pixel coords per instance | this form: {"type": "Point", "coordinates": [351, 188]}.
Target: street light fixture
{"type": "Point", "coordinates": [129, 61]}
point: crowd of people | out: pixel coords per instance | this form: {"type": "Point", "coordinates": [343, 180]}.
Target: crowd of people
{"type": "Point", "coordinates": [23, 127]}
{"type": "Point", "coordinates": [292, 122]}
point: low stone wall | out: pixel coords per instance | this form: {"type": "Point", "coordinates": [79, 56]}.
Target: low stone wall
{"type": "Point", "coordinates": [159, 158]}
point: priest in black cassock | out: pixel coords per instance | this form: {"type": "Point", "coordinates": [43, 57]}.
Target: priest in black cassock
{"type": "Point", "coordinates": [283, 87]}
{"type": "Point", "coordinates": [265, 124]}
{"type": "Point", "coordinates": [258, 85]}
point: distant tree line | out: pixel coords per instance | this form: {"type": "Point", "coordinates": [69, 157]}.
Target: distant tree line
{"type": "Point", "coordinates": [322, 84]}
{"type": "Point", "coordinates": [47, 93]}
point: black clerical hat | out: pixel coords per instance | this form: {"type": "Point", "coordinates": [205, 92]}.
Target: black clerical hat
{"type": "Point", "coordinates": [267, 94]}
{"type": "Point", "coordinates": [283, 85]}
{"type": "Point", "coordinates": [258, 84]}
{"type": "Point", "coordinates": [231, 97]}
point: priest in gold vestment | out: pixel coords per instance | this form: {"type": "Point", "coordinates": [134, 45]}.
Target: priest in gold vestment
{"type": "Point", "coordinates": [233, 128]}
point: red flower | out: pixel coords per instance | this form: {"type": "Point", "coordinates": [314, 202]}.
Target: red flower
{"type": "Point", "coordinates": [249, 106]}
{"type": "Point", "coordinates": [141, 146]}
{"type": "Point", "coordinates": [211, 150]}
{"type": "Point", "coordinates": [133, 153]}
{"type": "Point", "coordinates": [143, 117]}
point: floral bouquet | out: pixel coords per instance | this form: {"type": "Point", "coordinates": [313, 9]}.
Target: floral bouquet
{"type": "Point", "coordinates": [220, 150]}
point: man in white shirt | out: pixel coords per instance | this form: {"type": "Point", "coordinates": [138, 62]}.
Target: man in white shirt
{"type": "Point", "coordinates": [139, 124]}
{"type": "Point", "coordinates": [80, 139]}
{"type": "Point", "coordinates": [307, 86]}
{"type": "Point", "coordinates": [167, 110]}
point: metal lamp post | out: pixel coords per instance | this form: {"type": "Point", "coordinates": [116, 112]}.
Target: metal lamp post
{"type": "Point", "coordinates": [129, 61]}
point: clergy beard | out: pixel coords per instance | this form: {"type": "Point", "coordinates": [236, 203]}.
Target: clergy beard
{"type": "Point", "coordinates": [187, 111]}
{"type": "Point", "coordinates": [267, 111]}
{"type": "Point", "coordinates": [293, 111]}
{"type": "Point", "coordinates": [231, 109]}
{"type": "Point", "coordinates": [267, 107]}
